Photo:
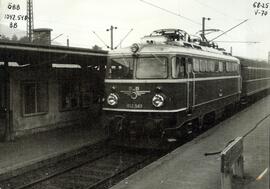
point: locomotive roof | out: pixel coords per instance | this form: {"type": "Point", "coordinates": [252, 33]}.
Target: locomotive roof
{"type": "Point", "coordinates": [162, 49]}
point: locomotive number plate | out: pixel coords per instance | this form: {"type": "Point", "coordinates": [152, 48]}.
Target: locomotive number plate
{"type": "Point", "coordinates": [135, 106]}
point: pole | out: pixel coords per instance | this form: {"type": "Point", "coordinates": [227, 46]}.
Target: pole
{"type": "Point", "coordinates": [67, 41]}
{"type": "Point", "coordinates": [203, 28]}
{"type": "Point", "coordinates": [111, 29]}
{"type": "Point", "coordinates": [111, 37]}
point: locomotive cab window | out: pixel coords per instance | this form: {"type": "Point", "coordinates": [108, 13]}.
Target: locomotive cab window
{"type": "Point", "coordinates": [178, 67]}
{"type": "Point", "coordinates": [152, 68]}
{"type": "Point", "coordinates": [120, 68]}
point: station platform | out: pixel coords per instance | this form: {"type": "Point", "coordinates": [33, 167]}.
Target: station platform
{"type": "Point", "coordinates": [187, 167]}
{"type": "Point", "coordinates": [32, 151]}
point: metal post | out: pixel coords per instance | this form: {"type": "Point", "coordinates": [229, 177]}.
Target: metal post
{"type": "Point", "coordinates": [111, 37]}
{"type": "Point", "coordinates": [111, 29]}
{"type": "Point", "coordinates": [226, 180]}
{"type": "Point", "coordinates": [67, 41]}
{"type": "Point", "coordinates": [203, 28]}
{"type": "Point", "coordinates": [238, 167]}
{"type": "Point", "coordinates": [232, 162]}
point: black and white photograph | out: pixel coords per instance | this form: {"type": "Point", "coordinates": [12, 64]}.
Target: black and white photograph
{"type": "Point", "coordinates": [134, 94]}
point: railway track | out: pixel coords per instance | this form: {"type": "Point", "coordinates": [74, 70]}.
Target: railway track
{"type": "Point", "coordinates": [99, 168]}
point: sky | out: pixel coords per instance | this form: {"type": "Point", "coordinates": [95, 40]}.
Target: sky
{"type": "Point", "coordinates": [77, 20]}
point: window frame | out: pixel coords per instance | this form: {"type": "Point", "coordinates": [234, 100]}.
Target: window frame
{"type": "Point", "coordinates": [197, 62]}
{"type": "Point", "coordinates": [167, 68]}
{"type": "Point", "coordinates": [23, 84]}
{"type": "Point", "coordinates": [184, 66]}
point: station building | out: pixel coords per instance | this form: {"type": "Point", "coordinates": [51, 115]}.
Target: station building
{"type": "Point", "coordinates": [44, 87]}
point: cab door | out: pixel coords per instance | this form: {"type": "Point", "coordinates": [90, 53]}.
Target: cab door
{"type": "Point", "coordinates": [180, 72]}
{"type": "Point", "coordinates": [190, 75]}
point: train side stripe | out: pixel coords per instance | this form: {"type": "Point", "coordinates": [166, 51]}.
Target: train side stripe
{"type": "Point", "coordinates": [260, 79]}
{"type": "Point", "coordinates": [169, 80]}
{"type": "Point", "coordinates": [142, 110]}
{"type": "Point", "coordinates": [255, 68]}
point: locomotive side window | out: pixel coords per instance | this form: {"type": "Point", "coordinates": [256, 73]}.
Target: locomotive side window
{"type": "Point", "coordinates": [178, 67]}
{"type": "Point", "coordinates": [228, 67]}
{"type": "Point", "coordinates": [210, 66]}
{"type": "Point", "coordinates": [120, 68]}
{"type": "Point", "coordinates": [220, 66]}
{"type": "Point", "coordinates": [196, 65]}
{"type": "Point", "coordinates": [155, 68]}
{"type": "Point", "coordinates": [216, 66]}
{"type": "Point", "coordinates": [203, 65]}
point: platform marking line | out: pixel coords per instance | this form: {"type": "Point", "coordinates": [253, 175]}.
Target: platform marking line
{"type": "Point", "coordinates": [262, 174]}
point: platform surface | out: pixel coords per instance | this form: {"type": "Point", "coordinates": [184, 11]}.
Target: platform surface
{"type": "Point", "coordinates": [188, 168]}
{"type": "Point", "coordinates": [32, 149]}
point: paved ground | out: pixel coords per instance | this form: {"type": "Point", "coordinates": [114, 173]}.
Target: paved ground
{"type": "Point", "coordinates": [188, 168]}
{"type": "Point", "coordinates": [28, 150]}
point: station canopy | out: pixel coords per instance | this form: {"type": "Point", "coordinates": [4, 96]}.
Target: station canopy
{"type": "Point", "coordinates": [27, 55]}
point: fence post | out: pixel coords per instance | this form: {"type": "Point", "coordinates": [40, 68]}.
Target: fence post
{"type": "Point", "coordinates": [232, 162]}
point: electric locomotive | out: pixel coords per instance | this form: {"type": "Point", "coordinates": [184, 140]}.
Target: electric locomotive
{"type": "Point", "coordinates": [168, 86]}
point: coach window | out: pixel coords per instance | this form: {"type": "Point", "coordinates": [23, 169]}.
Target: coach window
{"type": "Point", "coordinates": [178, 67]}
{"type": "Point", "coordinates": [35, 97]}
{"type": "Point", "coordinates": [196, 65]}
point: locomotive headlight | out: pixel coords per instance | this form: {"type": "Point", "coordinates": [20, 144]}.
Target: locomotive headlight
{"type": "Point", "coordinates": [134, 48]}
{"type": "Point", "coordinates": [158, 100]}
{"type": "Point", "coordinates": [112, 99]}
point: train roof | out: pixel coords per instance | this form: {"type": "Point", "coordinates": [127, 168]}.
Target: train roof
{"type": "Point", "coordinates": [174, 41]}
{"type": "Point", "coordinates": [198, 51]}
{"type": "Point", "coordinates": [253, 63]}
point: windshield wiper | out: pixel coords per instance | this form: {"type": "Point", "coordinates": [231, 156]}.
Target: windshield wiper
{"type": "Point", "coordinates": [155, 56]}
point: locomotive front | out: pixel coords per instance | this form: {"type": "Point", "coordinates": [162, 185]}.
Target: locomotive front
{"type": "Point", "coordinates": [142, 99]}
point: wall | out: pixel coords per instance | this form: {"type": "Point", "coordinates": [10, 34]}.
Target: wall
{"type": "Point", "coordinates": [54, 118]}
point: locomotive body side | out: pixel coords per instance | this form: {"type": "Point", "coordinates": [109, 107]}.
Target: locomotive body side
{"type": "Point", "coordinates": [165, 89]}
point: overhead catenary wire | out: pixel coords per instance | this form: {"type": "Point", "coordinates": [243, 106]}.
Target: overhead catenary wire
{"type": "Point", "coordinates": [100, 39]}
{"type": "Point", "coordinates": [124, 38]}
{"type": "Point", "coordinates": [229, 30]}
{"type": "Point", "coordinates": [238, 41]}
{"type": "Point", "coordinates": [216, 10]}
{"type": "Point", "coordinates": [171, 12]}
